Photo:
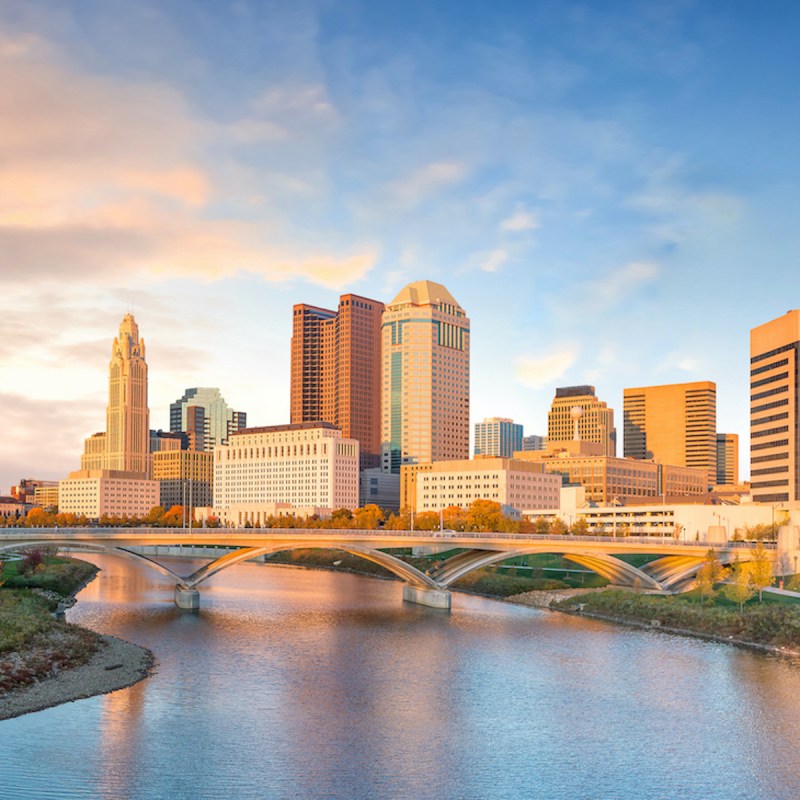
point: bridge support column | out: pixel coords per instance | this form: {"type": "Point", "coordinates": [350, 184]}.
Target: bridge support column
{"type": "Point", "coordinates": [433, 598]}
{"type": "Point", "coordinates": [186, 598]}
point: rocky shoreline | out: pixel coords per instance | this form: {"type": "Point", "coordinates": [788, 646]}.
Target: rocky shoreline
{"type": "Point", "coordinates": [116, 665]}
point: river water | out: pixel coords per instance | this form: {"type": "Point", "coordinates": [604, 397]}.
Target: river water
{"type": "Point", "coordinates": [292, 683]}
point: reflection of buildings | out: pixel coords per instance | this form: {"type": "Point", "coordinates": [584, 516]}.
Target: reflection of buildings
{"type": "Point", "coordinates": [309, 467]}
{"type": "Point", "coordinates": [674, 424]}
{"type": "Point", "coordinates": [618, 479]}
{"type": "Point", "coordinates": [727, 459]}
{"type": "Point", "coordinates": [595, 424]}
{"type": "Point", "coordinates": [497, 436]}
{"type": "Point", "coordinates": [204, 419]}
{"type": "Point", "coordinates": [775, 410]}
{"type": "Point", "coordinates": [425, 385]}
{"type": "Point", "coordinates": [336, 370]}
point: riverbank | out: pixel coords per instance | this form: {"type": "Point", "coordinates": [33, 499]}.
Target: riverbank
{"type": "Point", "coordinates": [44, 661]}
{"type": "Point", "coordinates": [773, 629]}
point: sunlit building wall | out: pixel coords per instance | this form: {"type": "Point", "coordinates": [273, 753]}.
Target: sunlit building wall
{"type": "Point", "coordinates": [595, 423]}
{"type": "Point", "coordinates": [425, 381]}
{"type": "Point", "coordinates": [774, 410]}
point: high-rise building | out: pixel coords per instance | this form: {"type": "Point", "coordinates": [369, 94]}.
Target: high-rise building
{"type": "Point", "coordinates": [425, 381]}
{"type": "Point", "coordinates": [336, 370]}
{"type": "Point", "coordinates": [204, 419]}
{"type": "Point", "coordinates": [127, 445]}
{"type": "Point", "coordinates": [727, 459]}
{"type": "Point", "coordinates": [595, 422]}
{"type": "Point", "coordinates": [534, 442]}
{"type": "Point", "coordinates": [497, 436]}
{"type": "Point", "coordinates": [185, 477]}
{"type": "Point", "coordinates": [673, 424]}
{"type": "Point", "coordinates": [775, 410]}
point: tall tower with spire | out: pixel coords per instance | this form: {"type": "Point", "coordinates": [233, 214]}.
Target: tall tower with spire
{"type": "Point", "coordinates": [127, 445]}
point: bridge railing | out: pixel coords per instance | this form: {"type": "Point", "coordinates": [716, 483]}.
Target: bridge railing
{"type": "Point", "coordinates": [439, 536]}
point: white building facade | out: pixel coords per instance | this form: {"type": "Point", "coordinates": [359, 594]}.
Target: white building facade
{"type": "Point", "coordinates": [516, 485]}
{"type": "Point", "coordinates": [93, 493]}
{"type": "Point", "coordinates": [308, 466]}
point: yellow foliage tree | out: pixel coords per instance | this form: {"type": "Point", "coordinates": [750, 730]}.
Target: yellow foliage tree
{"type": "Point", "coordinates": [761, 571]}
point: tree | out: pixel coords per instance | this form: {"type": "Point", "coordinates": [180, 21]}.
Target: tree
{"type": "Point", "coordinates": [484, 515]}
{"type": "Point", "coordinates": [711, 572]}
{"type": "Point", "coordinates": [580, 527]}
{"type": "Point", "coordinates": [39, 518]}
{"type": "Point", "coordinates": [173, 518]}
{"type": "Point", "coordinates": [761, 570]}
{"type": "Point", "coordinates": [454, 518]}
{"type": "Point", "coordinates": [341, 518]}
{"type": "Point", "coordinates": [368, 517]}
{"type": "Point", "coordinates": [558, 527]}
{"type": "Point", "coordinates": [542, 526]}
{"type": "Point", "coordinates": [426, 521]}
{"type": "Point", "coordinates": [155, 516]}
{"type": "Point", "coordinates": [740, 589]}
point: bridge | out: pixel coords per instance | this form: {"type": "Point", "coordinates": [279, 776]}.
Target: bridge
{"type": "Point", "coordinates": [675, 564]}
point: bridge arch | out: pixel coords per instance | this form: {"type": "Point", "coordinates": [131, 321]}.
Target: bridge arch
{"type": "Point", "coordinates": [101, 549]}
{"type": "Point", "coordinates": [611, 568]}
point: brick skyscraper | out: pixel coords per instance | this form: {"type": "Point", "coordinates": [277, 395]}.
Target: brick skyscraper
{"type": "Point", "coordinates": [336, 370]}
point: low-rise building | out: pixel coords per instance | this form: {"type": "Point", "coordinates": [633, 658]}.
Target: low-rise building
{"type": "Point", "coordinates": [11, 508]}
{"type": "Point", "coordinates": [307, 465]}
{"type": "Point", "coordinates": [608, 478]}
{"type": "Point", "coordinates": [378, 487]}
{"type": "Point", "coordinates": [94, 493]}
{"type": "Point", "coordinates": [514, 484]}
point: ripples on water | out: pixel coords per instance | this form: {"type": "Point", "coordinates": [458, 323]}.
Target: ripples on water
{"type": "Point", "coordinates": [309, 684]}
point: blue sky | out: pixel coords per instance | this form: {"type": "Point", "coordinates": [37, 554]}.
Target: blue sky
{"type": "Point", "coordinates": [609, 189]}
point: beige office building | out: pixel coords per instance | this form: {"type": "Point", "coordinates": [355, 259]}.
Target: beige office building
{"type": "Point", "coordinates": [727, 459]}
{"type": "Point", "coordinates": [515, 484]}
{"type": "Point", "coordinates": [308, 465]}
{"type": "Point", "coordinates": [625, 480]}
{"type": "Point", "coordinates": [595, 420]}
{"type": "Point", "coordinates": [425, 382]}
{"type": "Point", "coordinates": [673, 424]}
{"type": "Point", "coordinates": [185, 477]}
{"type": "Point", "coordinates": [93, 493]}
{"type": "Point", "coordinates": [774, 412]}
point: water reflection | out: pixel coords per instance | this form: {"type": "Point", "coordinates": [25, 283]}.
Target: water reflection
{"type": "Point", "coordinates": [295, 683]}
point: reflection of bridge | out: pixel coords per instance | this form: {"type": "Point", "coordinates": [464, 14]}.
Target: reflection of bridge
{"type": "Point", "coordinates": [674, 565]}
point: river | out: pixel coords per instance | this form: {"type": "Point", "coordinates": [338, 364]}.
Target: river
{"type": "Point", "coordinates": [293, 683]}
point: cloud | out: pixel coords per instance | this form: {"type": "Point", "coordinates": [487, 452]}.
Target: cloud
{"type": "Point", "coordinates": [539, 371]}
{"type": "Point", "coordinates": [418, 187]}
{"type": "Point", "coordinates": [492, 261]}
{"type": "Point", "coordinates": [617, 285]}
{"type": "Point", "coordinates": [521, 220]}
{"type": "Point", "coordinates": [105, 177]}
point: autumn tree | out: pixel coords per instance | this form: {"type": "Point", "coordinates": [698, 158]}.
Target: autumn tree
{"type": "Point", "coordinates": [426, 521]}
{"type": "Point", "coordinates": [368, 517]}
{"type": "Point", "coordinates": [558, 527]}
{"type": "Point", "coordinates": [341, 518]}
{"type": "Point", "coordinates": [173, 518]}
{"type": "Point", "coordinates": [484, 515]}
{"type": "Point", "coordinates": [541, 526]}
{"type": "Point", "coordinates": [580, 527]}
{"type": "Point", "coordinates": [761, 571]}
{"type": "Point", "coordinates": [740, 588]}
{"type": "Point", "coordinates": [39, 518]}
{"type": "Point", "coordinates": [711, 573]}
{"type": "Point", "coordinates": [454, 518]}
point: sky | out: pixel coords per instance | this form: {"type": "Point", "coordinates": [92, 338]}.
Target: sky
{"type": "Point", "coordinates": [609, 189]}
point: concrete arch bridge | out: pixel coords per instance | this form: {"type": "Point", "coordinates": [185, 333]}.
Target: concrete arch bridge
{"type": "Point", "coordinates": [676, 562]}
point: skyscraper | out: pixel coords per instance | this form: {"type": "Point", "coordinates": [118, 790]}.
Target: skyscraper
{"type": "Point", "coordinates": [595, 421]}
{"type": "Point", "coordinates": [336, 370]}
{"type": "Point", "coordinates": [425, 383]}
{"type": "Point", "coordinates": [497, 436]}
{"type": "Point", "coordinates": [727, 459]}
{"type": "Point", "coordinates": [204, 418]}
{"type": "Point", "coordinates": [775, 410]}
{"type": "Point", "coordinates": [673, 424]}
{"type": "Point", "coordinates": [127, 440]}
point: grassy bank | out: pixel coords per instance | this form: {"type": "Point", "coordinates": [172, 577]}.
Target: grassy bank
{"type": "Point", "coordinates": [769, 624]}
{"type": "Point", "coordinates": [33, 644]}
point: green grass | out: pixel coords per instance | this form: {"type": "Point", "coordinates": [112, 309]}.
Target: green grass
{"type": "Point", "coordinates": [61, 575]}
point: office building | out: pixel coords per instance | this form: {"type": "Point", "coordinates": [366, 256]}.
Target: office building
{"type": "Point", "coordinates": [25, 490]}
{"type": "Point", "coordinates": [336, 370]}
{"type": "Point", "coordinates": [308, 467]}
{"type": "Point", "coordinates": [497, 436]}
{"type": "Point", "coordinates": [204, 419]}
{"type": "Point", "coordinates": [185, 478]}
{"type": "Point", "coordinates": [425, 381]}
{"type": "Point", "coordinates": [533, 442]}
{"type": "Point", "coordinates": [610, 479]}
{"type": "Point", "coordinates": [774, 412]}
{"type": "Point", "coordinates": [94, 493]}
{"type": "Point", "coordinates": [595, 420]}
{"type": "Point", "coordinates": [516, 485]}
{"type": "Point", "coordinates": [727, 459]}
{"type": "Point", "coordinates": [673, 424]}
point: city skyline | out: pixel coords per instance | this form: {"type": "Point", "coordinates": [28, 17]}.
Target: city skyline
{"type": "Point", "coordinates": [610, 191]}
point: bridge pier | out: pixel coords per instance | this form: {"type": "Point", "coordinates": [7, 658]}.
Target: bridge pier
{"type": "Point", "coordinates": [433, 598]}
{"type": "Point", "coordinates": [187, 598]}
